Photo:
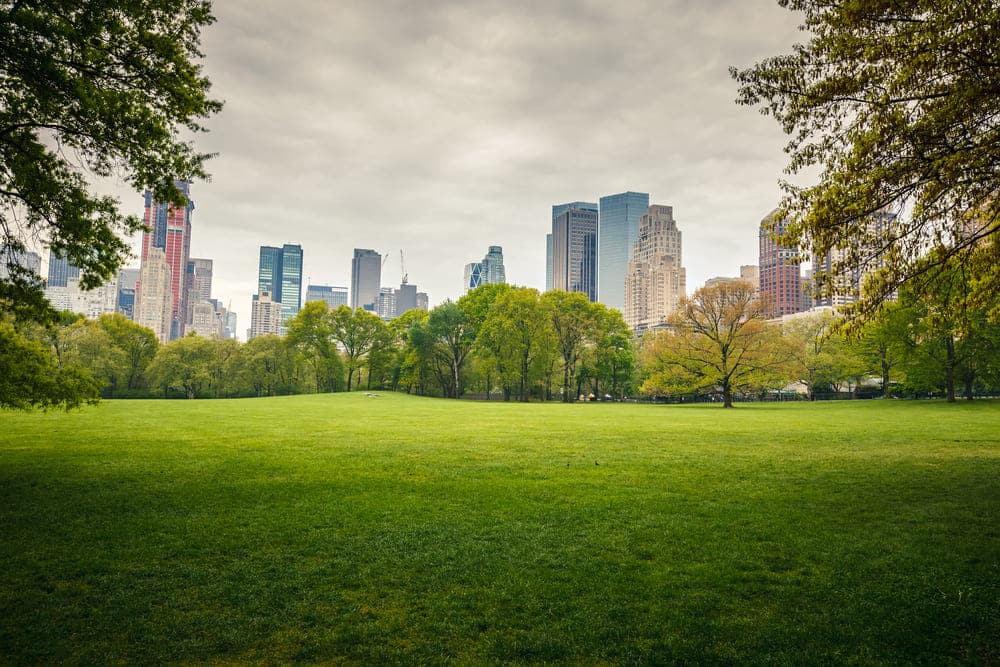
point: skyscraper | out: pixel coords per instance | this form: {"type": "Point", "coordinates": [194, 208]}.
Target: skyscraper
{"type": "Point", "coordinates": [780, 277]}
{"type": "Point", "coordinates": [60, 270]}
{"type": "Point", "coordinates": [366, 278]}
{"type": "Point", "coordinates": [490, 270]}
{"type": "Point", "coordinates": [170, 231]}
{"type": "Point", "coordinates": [279, 273]}
{"type": "Point", "coordinates": [493, 268]}
{"type": "Point", "coordinates": [334, 297]}
{"type": "Point", "coordinates": [619, 227]}
{"type": "Point", "coordinates": [473, 276]}
{"type": "Point", "coordinates": [153, 296]}
{"type": "Point", "coordinates": [265, 315]}
{"type": "Point", "coordinates": [574, 251]}
{"type": "Point", "coordinates": [656, 280]}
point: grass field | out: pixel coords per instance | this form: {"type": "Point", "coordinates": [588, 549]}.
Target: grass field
{"type": "Point", "coordinates": [402, 530]}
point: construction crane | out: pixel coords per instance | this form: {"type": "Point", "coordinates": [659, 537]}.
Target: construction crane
{"type": "Point", "coordinates": [402, 268]}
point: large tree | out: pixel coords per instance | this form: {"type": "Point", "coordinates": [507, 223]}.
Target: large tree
{"type": "Point", "coordinates": [100, 88]}
{"type": "Point", "coordinates": [575, 324]}
{"type": "Point", "coordinates": [453, 334]}
{"type": "Point", "coordinates": [357, 331]}
{"type": "Point", "coordinates": [718, 343]}
{"type": "Point", "coordinates": [896, 105]}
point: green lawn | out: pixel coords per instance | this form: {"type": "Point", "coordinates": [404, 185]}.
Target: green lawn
{"type": "Point", "coordinates": [400, 529]}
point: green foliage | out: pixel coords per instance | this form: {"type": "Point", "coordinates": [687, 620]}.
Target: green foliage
{"type": "Point", "coordinates": [883, 343]}
{"type": "Point", "coordinates": [357, 331]}
{"type": "Point", "coordinates": [99, 88]}
{"type": "Point", "coordinates": [340, 529]}
{"type": "Point", "coordinates": [818, 354]}
{"type": "Point", "coordinates": [310, 332]}
{"type": "Point", "coordinates": [265, 365]}
{"type": "Point", "coordinates": [950, 337]}
{"type": "Point", "coordinates": [31, 377]}
{"type": "Point", "coordinates": [138, 346]}
{"type": "Point", "coordinates": [518, 337]}
{"type": "Point", "coordinates": [718, 343]}
{"type": "Point", "coordinates": [896, 105]}
{"type": "Point", "coordinates": [184, 364]}
{"type": "Point", "coordinates": [575, 324]}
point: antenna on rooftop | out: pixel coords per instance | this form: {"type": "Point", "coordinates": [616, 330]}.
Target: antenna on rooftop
{"type": "Point", "coordinates": [402, 267]}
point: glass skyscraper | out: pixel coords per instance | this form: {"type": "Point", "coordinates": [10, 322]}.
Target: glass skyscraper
{"type": "Point", "coordinates": [280, 274]}
{"type": "Point", "coordinates": [617, 231]}
{"type": "Point", "coordinates": [366, 278]}
{"type": "Point", "coordinates": [574, 251]}
{"type": "Point", "coordinates": [60, 271]}
{"type": "Point", "coordinates": [490, 270]}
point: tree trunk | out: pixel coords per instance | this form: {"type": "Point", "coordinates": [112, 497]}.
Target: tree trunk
{"type": "Point", "coordinates": [727, 395]}
{"type": "Point", "coordinates": [949, 369]}
{"type": "Point", "coordinates": [350, 376]}
{"type": "Point", "coordinates": [885, 375]}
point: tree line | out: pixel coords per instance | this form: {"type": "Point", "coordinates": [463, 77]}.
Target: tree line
{"type": "Point", "coordinates": [512, 343]}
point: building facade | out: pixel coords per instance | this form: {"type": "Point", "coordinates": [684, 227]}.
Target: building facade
{"type": "Point", "coordinates": [656, 280]}
{"type": "Point", "coordinates": [334, 297]}
{"type": "Point", "coordinates": [265, 315]}
{"type": "Point", "coordinates": [780, 274]}
{"type": "Point", "coordinates": [619, 227]}
{"type": "Point", "coordinates": [169, 230]}
{"type": "Point", "coordinates": [574, 251]}
{"type": "Point", "coordinates": [28, 260]}
{"type": "Point", "coordinates": [154, 294]}
{"type": "Point", "coordinates": [489, 271]}
{"type": "Point", "coordinates": [60, 271]}
{"type": "Point", "coordinates": [366, 278]}
{"type": "Point", "coordinates": [279, 273]}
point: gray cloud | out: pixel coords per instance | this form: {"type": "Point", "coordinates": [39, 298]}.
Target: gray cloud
{"type": "Point", "coordinates": [444, 127]}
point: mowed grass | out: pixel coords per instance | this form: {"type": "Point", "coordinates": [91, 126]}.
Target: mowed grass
{"type": "Point", "coordinates": [408, 530]}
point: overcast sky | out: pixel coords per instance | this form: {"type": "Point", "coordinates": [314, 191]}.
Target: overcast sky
{"type": "Point", "coordinates": [441, 128]}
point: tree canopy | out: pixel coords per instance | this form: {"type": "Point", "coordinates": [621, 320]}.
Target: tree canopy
{"type": "Point", "coordinates": [103, 88]}
{"type": "Point", "coordinates": [897, 105]}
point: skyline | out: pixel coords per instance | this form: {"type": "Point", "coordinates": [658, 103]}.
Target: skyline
{"type": "Point", "coordinates": [467, 124]}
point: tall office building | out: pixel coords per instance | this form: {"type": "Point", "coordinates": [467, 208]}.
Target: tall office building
{"type": "Point", "coordinates": [207, 320]}
{"type": "Point", "coordinates": [574, 251]}
{"type": "Point", "coordinates": [493, 268]}
{"type": "Point", "coordinates": [473, 276]}
{"type": "Point", "coordinates": [334, 297]}
{"type": "Point", "coordinates": [169, 229]}
{"type": "Point", "coordinates": [265, 315]}
{"type": "Point", "coordinates": [60, 270]}
{"type": "Point", "coordinates": [656, 281]}
{"type": "Point", "coordinates": [279, 273]}
{"type": "Point", "coordinates": [490, 270]}
{"type": "Point", "coordinates": [780, 275]}
{"type": "Point", "coordinates": [618, 230]}
{"type": "Point", "coordinates": [154, 297]}
{"type": "Point", "coordinates": [385, 304]}
{"type": "Point", "coordinates": [200, 278]}
{"type": "Point", "coordinates": [366, 278]}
